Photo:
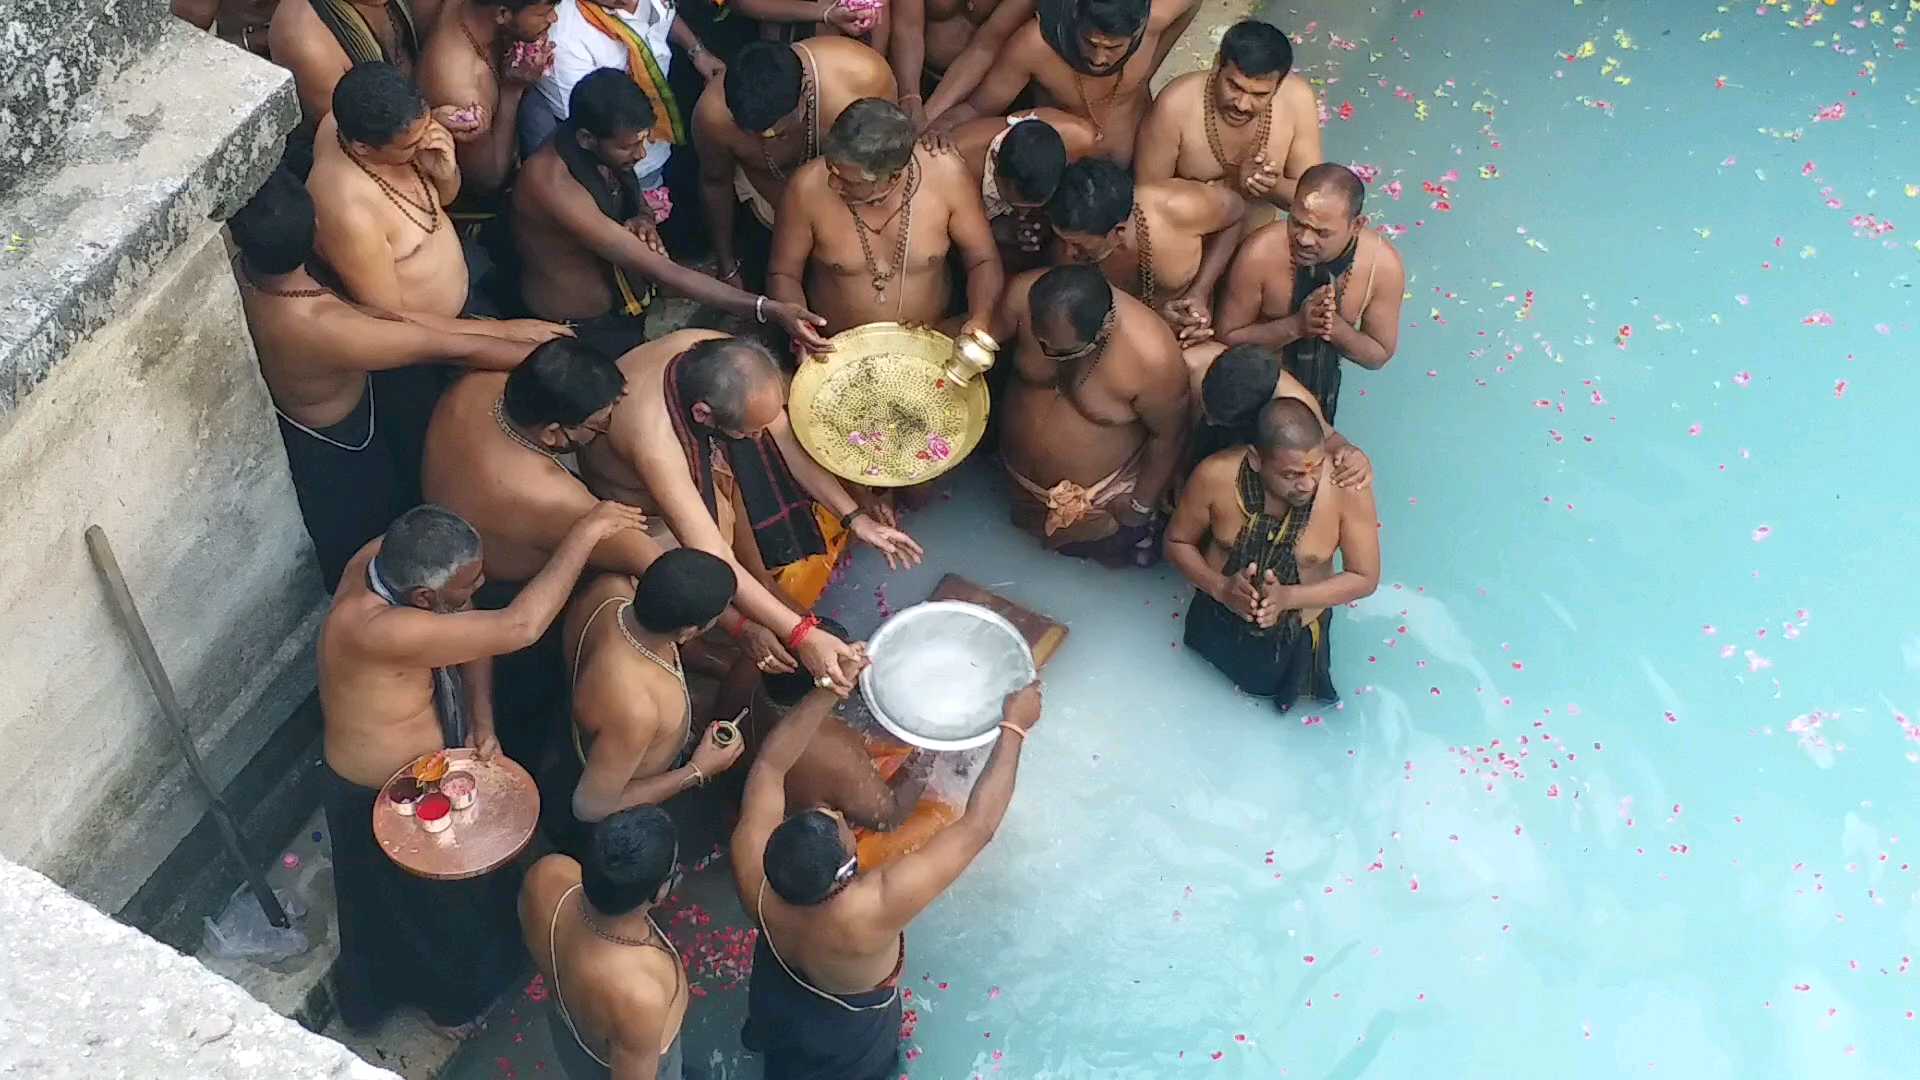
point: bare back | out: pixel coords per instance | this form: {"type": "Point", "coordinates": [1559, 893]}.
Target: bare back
{"type": "Point", "coordinates": [616, 689]}
{"type": "Point", "coordinates": [378, 715]}
{"type": "Point", "coordinates": [353, 216]}
{"type": "Point", "coordinates": [296, 359]}
{"type": "Point", "coordinates": [607, 988]}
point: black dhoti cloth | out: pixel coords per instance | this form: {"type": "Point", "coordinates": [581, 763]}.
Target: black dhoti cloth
{"type": "Point", "coordinates": [805, 1035]}
{"type": "Point", "coordinates": [447, 948]}
{"type": "Point", "coordinates": [348, 486]}
{"type": "Point", "coordinates": [529, 686]}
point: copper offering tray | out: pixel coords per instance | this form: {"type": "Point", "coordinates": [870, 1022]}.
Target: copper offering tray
{"type": "Point", "coordinates": [484, 837]}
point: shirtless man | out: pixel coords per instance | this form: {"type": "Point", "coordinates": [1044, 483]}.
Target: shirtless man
{"type": "Point", "coordinates": [586, 239]}
{"type": "Point", "coordinates": [999, 22]}
{"type": "Point", "coordinates": [405, 669]}
{"type": "Point", "coordinates": [319, 41]}
{"type": "Point", "coordinates": [1092, 58]}
{"type": "Point", "coordinates": [1250, 123]}
{"type": "Point", "coordinates": [869, 225]}
{"type": "Point", "coordinates": [824, 1000]}
{"type": "Point", "coordinates": [1094, 419]}
{"type": "Point", "coordinates": [1238, 383]}
{"type": "Point", "coordinates": [1019, 161]}
{"type": "Point", "coordinates": [697, 393]}
{"type": "Point", "coordinates": [495, 455]}
{"type": "Point", "coordinates": [1256, 532]}
{"type": "Point", "coordinates": [633, 736]}
{"type": "Point", "coordinates": [322, 359]}
{"type": "Point", "coordinates": [383, 168]}
{"type": "Point", "coordinates": [477, 65]}
{"type": "Point", "coordinates": [1320, 286]}
{"type": "Point", "coordinates": [764, 120]}
{"type": "Point", "coordinates": [1166, 244]}
{"type": "Point", "coordinates": [620, 992]}
{"type": "Point", "coordinates": [243, 22]}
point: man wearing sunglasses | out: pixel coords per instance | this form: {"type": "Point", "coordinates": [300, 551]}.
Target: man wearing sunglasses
{"type": "Point", "coordinates": [618, 990]}
{"type": "Point", "coordinates": [1094, 418]}
{"type": "Point", "coordinates": [824, 1002]}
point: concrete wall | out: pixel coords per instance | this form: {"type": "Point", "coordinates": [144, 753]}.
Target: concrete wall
{"type": "Point", "coordinates": [130, 398]}
{"type": "Point", "coordinates": [82, 996]}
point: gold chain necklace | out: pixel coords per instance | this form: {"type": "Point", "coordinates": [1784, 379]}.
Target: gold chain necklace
{"type": "Point", "coordinates": [1211, 114]}
{"type": "Point", "coordinates": [1093, 115]}
{"type": "Point", "coordinates": [407, 207]}
{"type": "Point", "coordinates": [1144, 244]}
{"type": "Point", "coordinates": [479, 49]}
{"type": "Point", "coordinates": [905, 212]}
{"type": "Point", "coordinates": [675, 668]}
{"type": "Point", "coordinates": [500, 417]}
{"type": "Point", "coordinates": [809, 130]}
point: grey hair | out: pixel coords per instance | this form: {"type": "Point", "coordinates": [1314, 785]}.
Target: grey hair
{"type": "Point", "coordinates": [425, 547]}
{"type": "Point", "coordinates": [873, 134]}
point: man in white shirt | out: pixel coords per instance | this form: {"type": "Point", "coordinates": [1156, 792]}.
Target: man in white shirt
{"type": "Point", "coordinates": [590, 34]}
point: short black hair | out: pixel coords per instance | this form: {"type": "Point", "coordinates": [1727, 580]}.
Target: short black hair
{"type": "Point", "coordinates": [724, 372]}
{"type": "Point", "coordinates": [517, 6]}
{"type": "Point", "coordinates": [684, 587]}
{"type": "Point", "coordinates": [562, 381]}
{"type": "Point", "coordinates": [1287, 424]}
{"type": "Point", "coordinates": [608, 102]}
{"type": "Point", "coordinates": [1120, 18]}
{"type": "Point", "coordinates": [1078, 291]}
{"type": "Point", "coordinates": [872, 133]}
{"type": "Point", "coordinates": [1336, 178]}
{"type": "Point", "coordinates": [1238, 384]}
{"type": "Point", "coordinates": [1030, 161]}
{"type": "Point", "coordinates": [785, 689]}
{"type": "Point", "coordinates": [803, 856]}
{"type": "Point", "coordinates": [762, 84]}
{"type": "Point", "coordinates": [630, 854]}
{"type": "Point", "coordinates": [373, 103]}
{"type": "Point", "coordinates": [274, 231]}
{"type": "Point", "coordinates": [1258, 49]}
{"type": "Point", "coordinates": [1094, 197]}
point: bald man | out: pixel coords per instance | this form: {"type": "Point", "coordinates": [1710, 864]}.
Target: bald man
{"type": "Point", "coordinates": [1256, 532]}
{"type": "Point", "coordinates": [1320, 286]}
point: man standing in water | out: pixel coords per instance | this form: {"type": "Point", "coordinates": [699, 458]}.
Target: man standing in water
{"type": "Point", "coordinates": [1320, 287]}
{"type": "Point", "coordinates": [589, 252]}
{"type": "Point", "coordinates": [864, 232]}
{"type": "Point", "coordinates": [760, 124]}
{"type": "Point", "coordinates": [1249, 123]}
{"type": "Point", "coordinates": [404, 670]}
{"type": "Point", "coordinates": [620, 990]}
{"type": "Point", "coordinates": [824, 1002]}
{"type": "Point", "coordinates": [1088, 57]}
{"type": "Point", "coordinates": [320, 356]}
{"type": "Point", "coordinates": [1166, 244]}
{"type": "Point", "coordinates": [1094, 419]}
{"type": "Point", "coordinates": [1271, 520]}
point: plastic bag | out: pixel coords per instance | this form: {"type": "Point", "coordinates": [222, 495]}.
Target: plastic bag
{"type": "Point", "coordinates": [242, 931]}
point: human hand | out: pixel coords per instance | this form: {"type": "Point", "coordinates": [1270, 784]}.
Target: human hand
{"type": "Point", "coordinates": [938, 142]}
{"type": "Point", "coordinates": [827, 657]}
{"type": "Point", "coordinates": [434, 155]}
{"type": "Point", "coordinates": [708, 65]}
{"type": "Point", "coordinates": [1260, 177]}
{"type": "Point", "coordinates": [878, 504]}
{"type": "Point", "coordinates": [916, 109]}
{"type": "Point", "coordinates": [728, 270]}
{"type": "Point", "coordinates": [844, 19]}
{"type": "Point", "coordinates": [901, 551]}
{"type": "Point", "coordinates": [769, 653]}
{"type": "Point", "coordinates": [712, 759]}
{"type": "Point", "coordinates": [607, 518]}
{"type": "Point", "coordinates": [1022, 707]}
{"type": "Point", "coordinates": [800, 324]}
{"type": "Point", "coordinates": [1318, 313]}
{"type": "Point", "coordinates": [486, 745]}
{"type": "Point", "coordinates": [1191, 321]}
{"type": "Point", "coordinates": [1238, 594]}
{"type": "Point", "coordinates": [527, 62]}
{"type": "Point", "coordinates": [1275, 600]}
{"type": "Point", "coordinates": [1352, 468]}
{"type": "Point", "coordinates": [464, 123]}
{"type": "Point", "coordinates": [643, 227]}
{"type": "Point", "coordinates": [530, 331]}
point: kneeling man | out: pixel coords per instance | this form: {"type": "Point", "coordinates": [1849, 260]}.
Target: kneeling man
{"type": "Point", "coordinates": [1256, 532]}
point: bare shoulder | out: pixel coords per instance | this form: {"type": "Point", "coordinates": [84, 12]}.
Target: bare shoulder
{"type": "Point", "coordinates": [296, 34]}
{"type": "Point", "coordinates": [1027, 47]}
{"type": "Point", "coordinates": [711, 118]}
{"type": "Point", "coordinates": [947, 168]}
{"type": "Point", "coordinates": [1019, 285]}
{"type": "Point", "coordinates": [1298, 97]}
{"type": "Point", "coordinates": [1216, 475]}
{"type": "Point", "coordinates": [1388, 255]}
{"type": "Point", "coordinates": [1164, 13]}
{"type": "Point", "coordinates": [851, 60]}
{"type": "Point", "coordinates": [551, 872]}
{"type": "Point", "coordinates": [1181, 93]}
{"type": "Point", "coordinates": [1268, 243]}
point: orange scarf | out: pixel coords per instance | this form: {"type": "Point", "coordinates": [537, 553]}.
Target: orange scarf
{"type": "Point", "coordinates": [668, 127]}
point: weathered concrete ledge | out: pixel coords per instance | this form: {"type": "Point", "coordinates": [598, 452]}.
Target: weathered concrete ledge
{"type": "Point", "coordinates": [83, 996]}
{"type": "Point", "coordinates": [70, 46]}
{"type": "Point", "coordinates": [184, 134]}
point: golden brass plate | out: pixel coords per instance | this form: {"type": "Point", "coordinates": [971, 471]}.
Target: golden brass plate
{"type": "Point", "coordinates": [879, 409]}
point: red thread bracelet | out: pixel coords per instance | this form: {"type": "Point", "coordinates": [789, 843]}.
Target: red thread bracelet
{"type": "Point", "coordinates": [801, 631]}
{"type": "Point", "coordinates": [739, 629]}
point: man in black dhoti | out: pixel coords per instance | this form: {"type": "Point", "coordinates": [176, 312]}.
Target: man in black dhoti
{"type": "Point", "coordinates": [1320, 286]}
{"type": "Point", "coordinates": [318, 354]}
{"type": "Point", "coordinates": [1256, 532]}
{"type": "Point", "coordinates": [405, 667]}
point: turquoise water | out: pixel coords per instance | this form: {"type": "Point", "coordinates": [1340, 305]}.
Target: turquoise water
{"type": "Point", "coordinates": [1622, 782]}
